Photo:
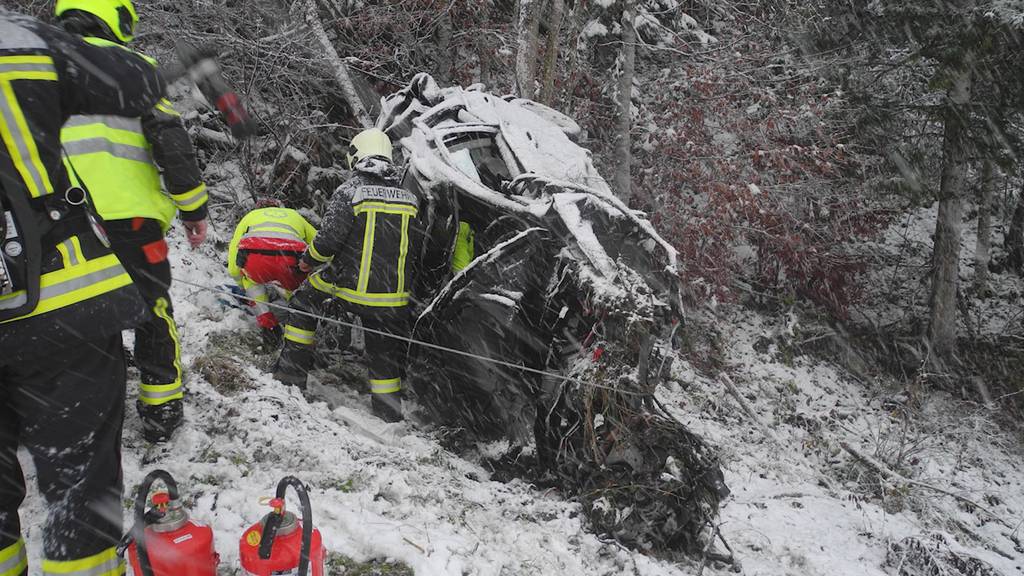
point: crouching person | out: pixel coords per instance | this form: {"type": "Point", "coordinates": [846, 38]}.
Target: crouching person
{"type": "Point", "coordinates": [265, 251]}
{"type": "Point", "coordinates": [367, 246]}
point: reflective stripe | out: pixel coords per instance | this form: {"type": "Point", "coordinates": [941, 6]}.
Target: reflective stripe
{"type": "Point", "coordinates": [106, 563]}
{"type": "Point", "coordinates": [71, 285]}
{"type": "Point", "coordinates": [13, 559]}
{"type": "Point", "coordinates": [367, 260]}
{"type": "Point", "coordinates": [71, 252]}
{"type": "Point", "coordinates": [164, 105]}
{"type": "Point", "coordinates": [117, 150]}
{"type": "Point", "coordinates": [156, 394]}
{"type": "Point", "coordinates": [299, 336]}
{"type": "Point", "coordinates": [403, 252]}
{"type": "Point", "coordinates": [389, 386]}
{"type": "Point", "coordinates": [191, 200]}
{"type": "Point", "coordinates": [386, 208]}
{"type": "Point", "coordinates": [21, 145]}
{"type": "Point", "coordinates": [133, 125]}
{"type": "Point", "coordinates": [316, 254]}
{"type": "Point", "coordinates": [281, 235]}
{"type": "Point", "coordinates": [377, 300]}
{"type": "Point", "coordinates": [7, 68]}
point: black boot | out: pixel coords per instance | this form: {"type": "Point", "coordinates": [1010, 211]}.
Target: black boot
{"type": "Point", "coordinates": [159, 422]}
{"type": "Point", "coordinates": [387, 407]}
{"type": "Point", "coordinates": [293, 365]}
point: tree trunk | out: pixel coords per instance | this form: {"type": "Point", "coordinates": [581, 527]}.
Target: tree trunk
{"type": "Point", "coordinates": [445, 57]}
{"type": "Point", "coordinates": [577, 21]}
{"type": "Point", "coordinates": [348, 88]}
{"type": "Point", "coordinates": [526, 53]}
{"type": "Point", "coordinates": [946, 253]}
{"type": "Point", "coordinates": [547, 92]}
{"type": "Point", "coordinates": [983, 248]}
{"type": "Point", "coordinates": [483, 53]}
{"type": "Point", "coordinates": [624, 141]}
{"type": "Point", "coordinates": [1014, 241]}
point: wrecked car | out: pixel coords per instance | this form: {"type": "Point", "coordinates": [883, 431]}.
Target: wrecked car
{"type": "Point", "coordinates": [575, 296]}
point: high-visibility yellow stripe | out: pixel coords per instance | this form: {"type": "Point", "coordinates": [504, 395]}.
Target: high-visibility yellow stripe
{"type": "Point", "coordinates": [157, 394]}
{"type": "Point", "coordinates": [367, 260]}
{"type": "Point", "coordinates": [374, 299]}
{"type": "Point", "coordinates": [106, 563]}
{"type": "Point", "coordinates": [69, 135]}
{"type": "Point", "coordinates": [29, 75]}
{"type": "Point", "coordinates": [386, 208]}
{"type": "Point", "coordinates": [13, 559]}
{"type": "Point", "coordinates": [164, 105]}
{"type": "Point", "coordinates": [27, 59]}
{"type": "Point", "coordinates": [71, 252]}
{"type": "Point", "coordinates": [299, 335]}
{"type": "Point", "coordinates": [316, 254]}
{"type": "Point", "coordinates": [403, 252]}
{"type": "Point", "coordinates": [192, 199]}
{"type": "Point", "coordinates": [21, 145]}
{"type": "Point", "coordinates": [385, 386]}
{"type": "Point", "coordinates": [72, 285]}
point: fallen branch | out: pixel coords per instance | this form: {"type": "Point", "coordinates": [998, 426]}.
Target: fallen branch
{"type": "Point", "coordinates": [896, 476]}
{"type": "Point", "coordinates": [344, 79]}
{"type": "Point", "coordinates": [735, 393]}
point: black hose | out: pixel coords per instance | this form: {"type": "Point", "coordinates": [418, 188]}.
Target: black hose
{"type": "Point", "coordinates": [274, 522]}
{"type": "Point", "coordinates": [139, 529]}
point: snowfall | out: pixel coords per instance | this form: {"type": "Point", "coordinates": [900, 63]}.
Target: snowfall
{"type": "Point", "coordinates": [393, 492]}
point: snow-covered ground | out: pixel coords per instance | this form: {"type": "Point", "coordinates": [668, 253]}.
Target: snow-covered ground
{"type": "Point", "coordinates": [800, 505]}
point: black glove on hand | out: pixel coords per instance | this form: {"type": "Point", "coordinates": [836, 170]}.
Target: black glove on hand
{"type": "Point", "coordinates": [159, 422]}
{"type": "Point", "coordinates": [272, 337]}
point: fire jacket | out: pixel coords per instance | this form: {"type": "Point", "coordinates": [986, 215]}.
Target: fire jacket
{"type": "Point", "coordinates": [268, 230]}
{"type": "Point", "coordinates": [369, 238]}
{"type": "Point", "coordinates": [120, 160]}
{"type": "Point", "coordinates": [65, 285]}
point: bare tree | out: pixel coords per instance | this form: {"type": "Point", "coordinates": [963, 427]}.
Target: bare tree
{"type": "Point", "coordinates": [341, 73]}
{"type": "Point", "coordinates": [946, 253]}
{"type": "Point", "coordinates": [983, 248]}
{"type": "Point", "coordinates": [526, 53]}
{"type": "Point", "coordinates": [627, 66]}
{"type": "Point", "coordinates": [1013, 243]}
{"type": "Point", "coordinates": [547, 93]}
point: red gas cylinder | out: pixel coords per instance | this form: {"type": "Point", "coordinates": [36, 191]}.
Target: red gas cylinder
{"type": "Point", "coordinates": [174, 545]}
{"type": "Point", "coordinates": [280, 543]}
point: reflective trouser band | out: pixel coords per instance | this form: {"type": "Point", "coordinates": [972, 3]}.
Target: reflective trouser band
{"type": "Point", "coordinates": [377, 300]}
{"type": "Point", "coordinates": [387, 386]}
{"type": "Point", "coordinates": [156, 394]}
{"type": "Point", "coordinates": [14, 128]}
{"type": "Point", "coordinates": [299, 336]}
{"type": "Point", "coordinates": [316, 255]}
{"type": "Point", "coordinates": [106, 563]}
{"type": "Point", "coordinates": [267, 234]}
{"type": "Point", "coordinates": [13, 559]}
{"type": "Point", "coordinates": [72, 285]}
{"type": "Point", "coordinates": [164, 105]}
{"type": "Point", "coordinates": [191, 200]}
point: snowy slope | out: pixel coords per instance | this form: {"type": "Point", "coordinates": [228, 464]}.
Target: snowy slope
{"type": "Point", "coordinates": [391, 491]}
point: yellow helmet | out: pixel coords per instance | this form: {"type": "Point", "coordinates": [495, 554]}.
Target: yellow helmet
{"type": "Point", "coordinates": [372, 142]}
{"type": "Point", "coordinates": [118, 16]}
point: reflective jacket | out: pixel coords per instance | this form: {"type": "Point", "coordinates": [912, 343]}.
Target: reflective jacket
{"type": "Point", "coordinates": [271, 224]}
{"type": "Point", "coordinates": [66, 285]}
{"type": "Point", "coordinates": [118, 158]}
{"type": "Point", "coordinates": [369, 238]}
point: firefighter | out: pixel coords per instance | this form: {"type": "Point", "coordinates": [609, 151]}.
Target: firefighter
{"type": "Point", "coordinates": [367, 245]}
{"type": "Point", "coordinates": [119, 162]}
{"type": "Point", "coordinates": [265, 250]}
{"type": "Point", "coordinates": [64, 299]}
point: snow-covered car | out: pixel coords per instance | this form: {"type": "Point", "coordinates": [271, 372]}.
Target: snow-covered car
{"type": "Point", "coordinates": [575, 296]}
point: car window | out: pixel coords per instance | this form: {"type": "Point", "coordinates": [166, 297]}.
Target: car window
{"type": "Point", "coordinates": [477, 156]}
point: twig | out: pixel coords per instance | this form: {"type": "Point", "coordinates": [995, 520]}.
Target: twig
{"type": "Point", "coordinates": [417, 546]}
{"type": "Point", "coordinates": [893, 475]}
{"type": "Point", "coordinates": [735, 393]}
{"type": "Point", "coordinates": [704, 558]}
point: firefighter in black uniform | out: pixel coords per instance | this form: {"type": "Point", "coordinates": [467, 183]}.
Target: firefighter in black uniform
{"type": "Point", "coordinates": [64, 299]}
{"type": "Point", "coordinates": [369, 240]}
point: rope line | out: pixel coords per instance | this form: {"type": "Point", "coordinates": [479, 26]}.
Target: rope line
{"type": "Point", "coordinates": [410, 340]}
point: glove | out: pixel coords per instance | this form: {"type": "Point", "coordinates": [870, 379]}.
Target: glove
{"type": "Point", "coordinates": [159, 422]}
{"type": "Point", "coordinates": [272, 336]}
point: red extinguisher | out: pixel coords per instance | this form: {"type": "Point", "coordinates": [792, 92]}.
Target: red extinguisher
{"type": "Point", "coordinates": [280, 543]}
{"type": "Point", "coordinates": [164, 541]}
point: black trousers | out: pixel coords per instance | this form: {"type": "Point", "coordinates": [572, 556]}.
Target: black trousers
{"type": "Point", "coordinates": [385, 357]}
{"type": "Point", "coordinates": [66, 408]}
{"type": "Point", "coordinates": [137, 244]}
